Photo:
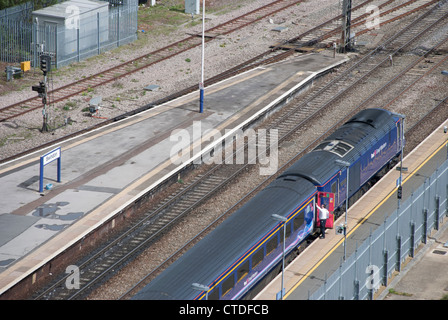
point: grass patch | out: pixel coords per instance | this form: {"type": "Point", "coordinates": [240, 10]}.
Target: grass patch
{"type": "Point", "coordinates": [69, 105]}
{"type": "Point", "coordinates": [405, 294]}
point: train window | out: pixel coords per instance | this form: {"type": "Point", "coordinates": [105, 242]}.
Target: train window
{"type": "Point", "coordinates": [288, 232]}
{"type": "Point", "coordinates": [271, 244]}
{"type": "Point", "coordinates": [334, 187]}
{"type": "Point", "coordinates": [321, 146]}
{"type": "Point", "coordinates": [214, 294]}
{"type": "Point", "coordinates": [344, 182]}
{"type": "Point", "coordinates": [243, 270]}
{"type": "Point", "coordinates": [298, 220]}
{"type": "Point", "coordinates": [227, 285]}
{"type": "Point", "coordinates": [257, 257]}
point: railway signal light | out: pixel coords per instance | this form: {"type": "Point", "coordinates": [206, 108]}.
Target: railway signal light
{"type": "Point", "coordinates": [399, 192]}
{"type": "Point", "coordinates": [40, 89]}
{"type": "Point", "coordinates": [45, 63]}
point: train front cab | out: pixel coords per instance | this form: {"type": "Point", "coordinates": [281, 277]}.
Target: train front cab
{"type": "Point", "coordinates": [366, 165]}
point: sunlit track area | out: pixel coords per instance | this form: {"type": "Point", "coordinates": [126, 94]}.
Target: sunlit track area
{"type": "Point", "coordinates": [120, 175]}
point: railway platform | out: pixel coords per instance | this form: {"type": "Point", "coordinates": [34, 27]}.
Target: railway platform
{"type": "Point", "coordinates": [105, 170]}
{"type": "Point", "coordinates": [321, 258]}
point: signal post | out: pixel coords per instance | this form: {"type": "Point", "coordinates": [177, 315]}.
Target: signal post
{"type": "Point", "coordinates": [41, 89]}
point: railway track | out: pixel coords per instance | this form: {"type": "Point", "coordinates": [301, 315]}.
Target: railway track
{"type": "Point", "coordinates": [329, 32]}
{"type": "Point", "coordinates": [219, 176]}
{"type": "Point", "coordinates": [144, 61]}
{"type": "Point", "coordinates": [127, 68]}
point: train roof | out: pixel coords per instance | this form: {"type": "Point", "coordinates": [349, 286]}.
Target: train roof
{"type": "Point", "coordinates": [347, 143]}
{"type": "Point", "coordinates": [211, 256]}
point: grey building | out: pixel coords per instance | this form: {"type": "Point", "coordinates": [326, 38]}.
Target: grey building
{"type": "Point", "coordinates": [74, 30]}
{"type": "Point", "coordinates": [73, 19]}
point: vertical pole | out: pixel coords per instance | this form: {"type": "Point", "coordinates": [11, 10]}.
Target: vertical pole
{"type": "Point", "coordinates": [118, 27]}
{"type": "Point", "coordinates": [446, 200]}
{"type": "Point", "coordinates": [44, 111]}
{"type": "Point", "coordinates": [283, 262]}
{"type": "Point", "coordinates": [35, 44]}
{"type": "Point", "coordinates": [344, 25]}
{"type": "Point", "coordinates": [341, 297]}
{"type": "Point", "coordinates": [401, 156]}
{"type": "Point", "coordinates": [412, 247]}
{"type": "Point", "coordinates": [59, 166]}
{"type": "Point", "coordinates": [398, 260]}
{"type": "Point", "coordinates": [346, 210]}
{"type": "Point", "coordinates": [437, 212]}
{"type": "Point", "coordinates": [41, 175]}
{"type": "Point", "coordinates": [56, 47]}
{"type": "Point", "coordinates": [385, 253]}
{"type": "Point", "coordinates": [98, 29]}
{"type": "Point", "coordinates": [355, 270]}
{"type": "Point", "coordinates": [425, 225]}
{"type": "Point", "coordinates": [201, 85]}
{"type": "Point", "coordinates": [77, 42]}
{"type": "Point", "coordinates": [21, 41]}
{"type": "Point", "coordinates": [370, 290]}
{"type": "Point", "coordinates": [346, 22]}
{"type": "Point", "coordinates": [437, 199]}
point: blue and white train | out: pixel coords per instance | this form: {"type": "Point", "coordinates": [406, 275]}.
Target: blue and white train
{"type": "Point", "coordinates": [238, 254]}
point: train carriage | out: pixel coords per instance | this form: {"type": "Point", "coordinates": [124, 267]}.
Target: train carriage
{"type": "Point", "coordinates": [248, 245]}
{"type": "Point", "coordinates": [242, 249]}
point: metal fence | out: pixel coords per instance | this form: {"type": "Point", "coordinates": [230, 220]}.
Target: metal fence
{"type": "Point", "coordinates": [95, 35]}
{"type": "Point", "coordinates": [19, 12]}
{"type": "Point", "coordinates": [25, 40]}
{"type": "Point", "coordinates": [373, 263]}
{"type": "Point", "coordinates": [15, 40]}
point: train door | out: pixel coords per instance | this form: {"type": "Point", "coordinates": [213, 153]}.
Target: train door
{"type": "Point", "coordinates": [326, 198]}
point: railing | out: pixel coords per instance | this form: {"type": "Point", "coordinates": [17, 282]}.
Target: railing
{"type": "Point", "coordinates": [78, 38]}
{"type": "Point", "coordinates": [383, 252]}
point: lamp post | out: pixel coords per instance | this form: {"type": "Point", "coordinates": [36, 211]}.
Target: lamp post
{"type": "Point", "coordinates": [201, 85]}
{"type": "Point", "coordinates": [282, 219]}
{"type": "Point", "coordinates": [399, 191]}
{"type": "Point", "coordinates": [347, 165]}
{"type": "Point", "coordinates": [201, 287]}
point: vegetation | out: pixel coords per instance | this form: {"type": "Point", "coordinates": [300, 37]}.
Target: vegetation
{"type": "Point", "coordinates": [38, 4]}
{"type": "Point", "coordinates": [393, 291]}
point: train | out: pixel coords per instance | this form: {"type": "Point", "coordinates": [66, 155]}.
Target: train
{"type": "Point", "coordinates": [238, 255]}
